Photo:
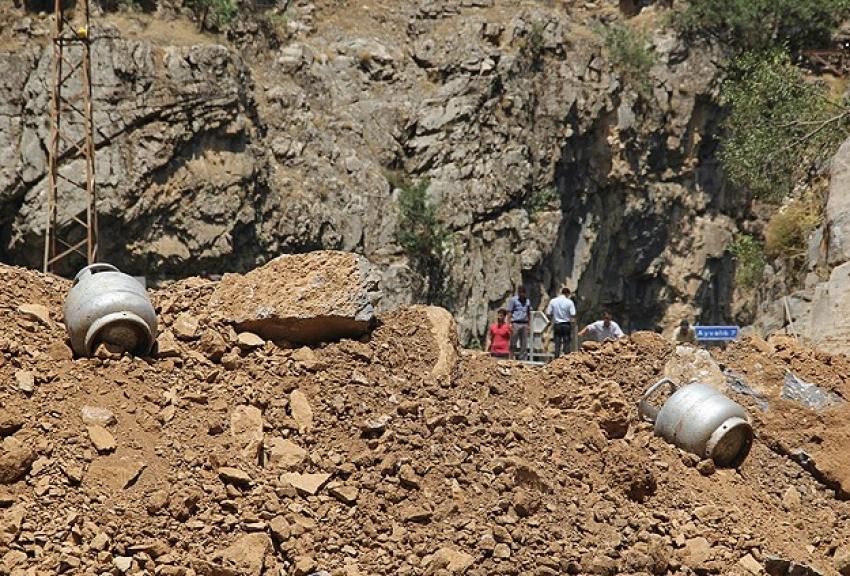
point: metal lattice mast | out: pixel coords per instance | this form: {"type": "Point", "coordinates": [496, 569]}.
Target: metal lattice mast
{"type": "Point", "coordinates": [71, 230]}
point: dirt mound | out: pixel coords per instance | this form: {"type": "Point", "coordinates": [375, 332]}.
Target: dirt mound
{"type": "Point", "coordinates": [393, 454]}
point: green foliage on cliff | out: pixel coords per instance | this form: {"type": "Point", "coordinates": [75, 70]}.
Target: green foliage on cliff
{"type": "Point", "coordinates": [630, 56]}
{"type": "Point", "coordinates": [424, 239]}
{"type": "Point", "coordinates": [216, 13]}
{"type": "Point", "coordinates": [749, 261]}
{"type": "Point", "coordinates": [744, 25]}
{"type": "Point", "coordinates": [781, 126]}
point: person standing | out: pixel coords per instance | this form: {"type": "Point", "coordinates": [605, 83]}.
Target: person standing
{"type": "Point", "coordinates": [601, 330]}
{"type": "Point", "coordinates": [519, 308]}
{"type": "Point", "coordinates": [684, 334]}
{"type": "Point", "coordinates": [499, 336]}
{"type": "Point", "coordinates": [562, 310]}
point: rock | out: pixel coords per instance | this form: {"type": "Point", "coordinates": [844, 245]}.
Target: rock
{"type": "Point", "coordinates": [246, 429]}
{"type": "Point", "coordinates": [751, 565]}
{"type": "Point", "coordinates": [117, 472]}
{"type": "Point", "coordinates": [35, 312]}
{"type": "Point", "coordinates": [213, 345]}
{"type": "Point", "coordinates": [246, 555]}
{"type": "Point", "coordinates": [301, 411]}
{"type": "Point", "coordinates": [306, 358]}
{"type": "Point", "coordinates": [14, 558]}
{"type": "Point", "coordinates": [15, 463]}
{"type": "Point", "coordinates": [706, 467]}
{"type": "Point", "coordinates": [166, 346]}
{"type": "Point", "coordinates": [249, 341]}
{"type": "Point", "coordinates": [186, 327]}
{"type": "Point", "coordinates": [100, 541]}
{"type": "Point", "coordinates": [234, 476]}
{"type": "Point", "coordinates": [696, 552]}
{"type": "Point", "coordinates": [97, 416]}
{"type": "Point", "coordinates": [502, 550]}
{"type": "Point", "coordinates": [301, 298]}
{"type": "Point", "coordinates": [444, 337]}
{"type": "Point", "coordinates": [344, 493]}
{"type": "Point", "coordinates": [304, 565]}
{"type": "Point", "coordinates": [841, 560]}
{"type": "Point", "coordinates": [123, 563]}
{"type": "Point", "coordinates": [285, 453]}
{"type": "Point", "coordinates": [690, 364]}
{"type": "Point", "coordinates": [308, 484]}
{"type": "Point", "coordinates": [11, 522]}
{"type": "Point", "coordinates": [838, 207]}
{"type": "Point", "coordinates": [791, 499]}
{"type": "Point", "coordinates": [450, 559]}
{"type": "Point", "coordinates": [102, 439]}
{"type": "Point", "coordinates": [25, 381]}
{"type": "Point", "coordinates": [279, 529]}
{"type": "Point", "coordinates": [781, 567]}
{"type": "Point", "coordinates": [9, 423]}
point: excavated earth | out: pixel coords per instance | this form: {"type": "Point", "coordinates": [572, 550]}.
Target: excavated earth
{"type": "Point", "coordinates": [394, 454]}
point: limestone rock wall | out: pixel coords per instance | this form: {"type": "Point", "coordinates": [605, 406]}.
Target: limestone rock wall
{"type": "Point", "coordinates": [545, 167]}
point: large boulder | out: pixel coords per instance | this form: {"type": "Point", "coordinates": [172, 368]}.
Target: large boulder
{"type": "Point", "coordinates": [830, 327]}
{"type": "Point", "coordinates": [838, 207]}
{"type": "Point", "coordinates": [301, 298]}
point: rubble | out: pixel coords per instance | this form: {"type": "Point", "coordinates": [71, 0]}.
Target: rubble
{"type": "Point", "coordinates": [355, 457]}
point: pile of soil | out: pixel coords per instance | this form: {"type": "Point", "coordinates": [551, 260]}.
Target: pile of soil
{"type": "Point", "coordinates": [393, 454]}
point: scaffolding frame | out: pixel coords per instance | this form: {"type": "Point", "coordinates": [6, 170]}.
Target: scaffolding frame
{"type": "Point", "coordinates": [71, 137]}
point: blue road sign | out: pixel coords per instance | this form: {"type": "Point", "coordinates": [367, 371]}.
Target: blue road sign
{"type": "Point", "coordinates": [717, 333]}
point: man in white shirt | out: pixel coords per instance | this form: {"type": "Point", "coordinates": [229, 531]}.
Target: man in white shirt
{"type": "Point", "coordinates": [601, 330]}
{"type": "Point", "coordinates": [562, 310]}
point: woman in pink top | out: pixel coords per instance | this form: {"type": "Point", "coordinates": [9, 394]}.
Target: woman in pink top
{"type": "Point", "coordinates": [499, 336]}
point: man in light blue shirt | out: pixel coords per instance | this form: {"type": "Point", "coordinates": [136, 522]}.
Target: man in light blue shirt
{"type": "Point", "coordinates": [562, 310]}
{"type": "Point", "coordinates": [519, 314]}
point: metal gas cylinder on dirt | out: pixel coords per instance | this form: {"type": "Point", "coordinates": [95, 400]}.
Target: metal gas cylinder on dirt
{"type": "Point", "coordinates": [108, 306]}
{"type": "Point", "coordinates": [701, 420]}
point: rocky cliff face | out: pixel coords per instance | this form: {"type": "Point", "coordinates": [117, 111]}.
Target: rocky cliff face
{"type": "Point", "coordinates": [545, 167]}
{"type": "Point", "coordinates": [818, 312]}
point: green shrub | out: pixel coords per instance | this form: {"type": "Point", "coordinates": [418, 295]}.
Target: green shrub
{"type": "Point", "coordinates": [787, 232]}
{"type": "Point", "coordinates": [629, 55]}
{"type": "Point", "coordinates": [743, 25]}
{"type": "Point", "coordinates": [425, 240]}
{"type": "Point", "coordinates": [780, 126]}
{"type": "Point", "coordinates": [541, 199]}
{"type": "Point", "coordinates": [215, 13]}
{"type": "Point", "coordinates": [749, 261]}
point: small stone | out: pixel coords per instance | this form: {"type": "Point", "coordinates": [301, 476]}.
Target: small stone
{"type": "Point", "coordinates": [304, 565]}
{"type": "Point", "coordinates": [706, 467]}
{"type": "Point", "coordinates": [97, 416]}
{"type": "Point", "coordinates": [418, 514]}
{"type": "Point", "coordinates": [841, 560]}
{"type": "Point", "coordinates": [100, 542]}
{"type": "Point", "coordinates": [502, 550]}
{"type": "Point", "coordinates": [35, 312]}
{"type": "Point", "coordinates": [186, 327]}
{"type": "Point", "coordinates": [166, 346]}
{"type": "Point", "coordinates": [408, 478]}
{"type": "Point", "coordinates": [25, 381]}
{"type": "Point", "coordinates": [696, 552]}
{"type": "Point", "coordinates": [454, 561]}
{"type": "Point", "coordinates": [344, 493]}
{"type": "Point", "coordinates": [306, 358]}
{"type": "Point", "coordinates": [102, 439]}
{"type": "Point", "coordinates": [791, 499]}
{"type": "Point", "coordinates": [375, 427]}
{"type": "Point", "coordinates": [285, 454]}
{"type": "Point", "coordinates": [123, 563]}
{"type": "Point", "coordinates": [13, 558]}
{"type": "Point", "coordinates": [750, 564]}
{"type": "Point", "coordinates": [234, 476]}
{"type": "Point", "coordinates": [246, 428]}
{"type": "Point", "coordinates": [10, 423]}
{"type": "Point", "coordinates": [249, 341]}
{"type": "Point", "coordinates": [309, 484]}
{"type": "Point", "coordinates": [15, 464]}
{"type": "Point", "coordinates": [73, 473]}
{"type": "Point", "coordinates": [280, 529]}
{"type": "Point", "coordinates": [302, 413]}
